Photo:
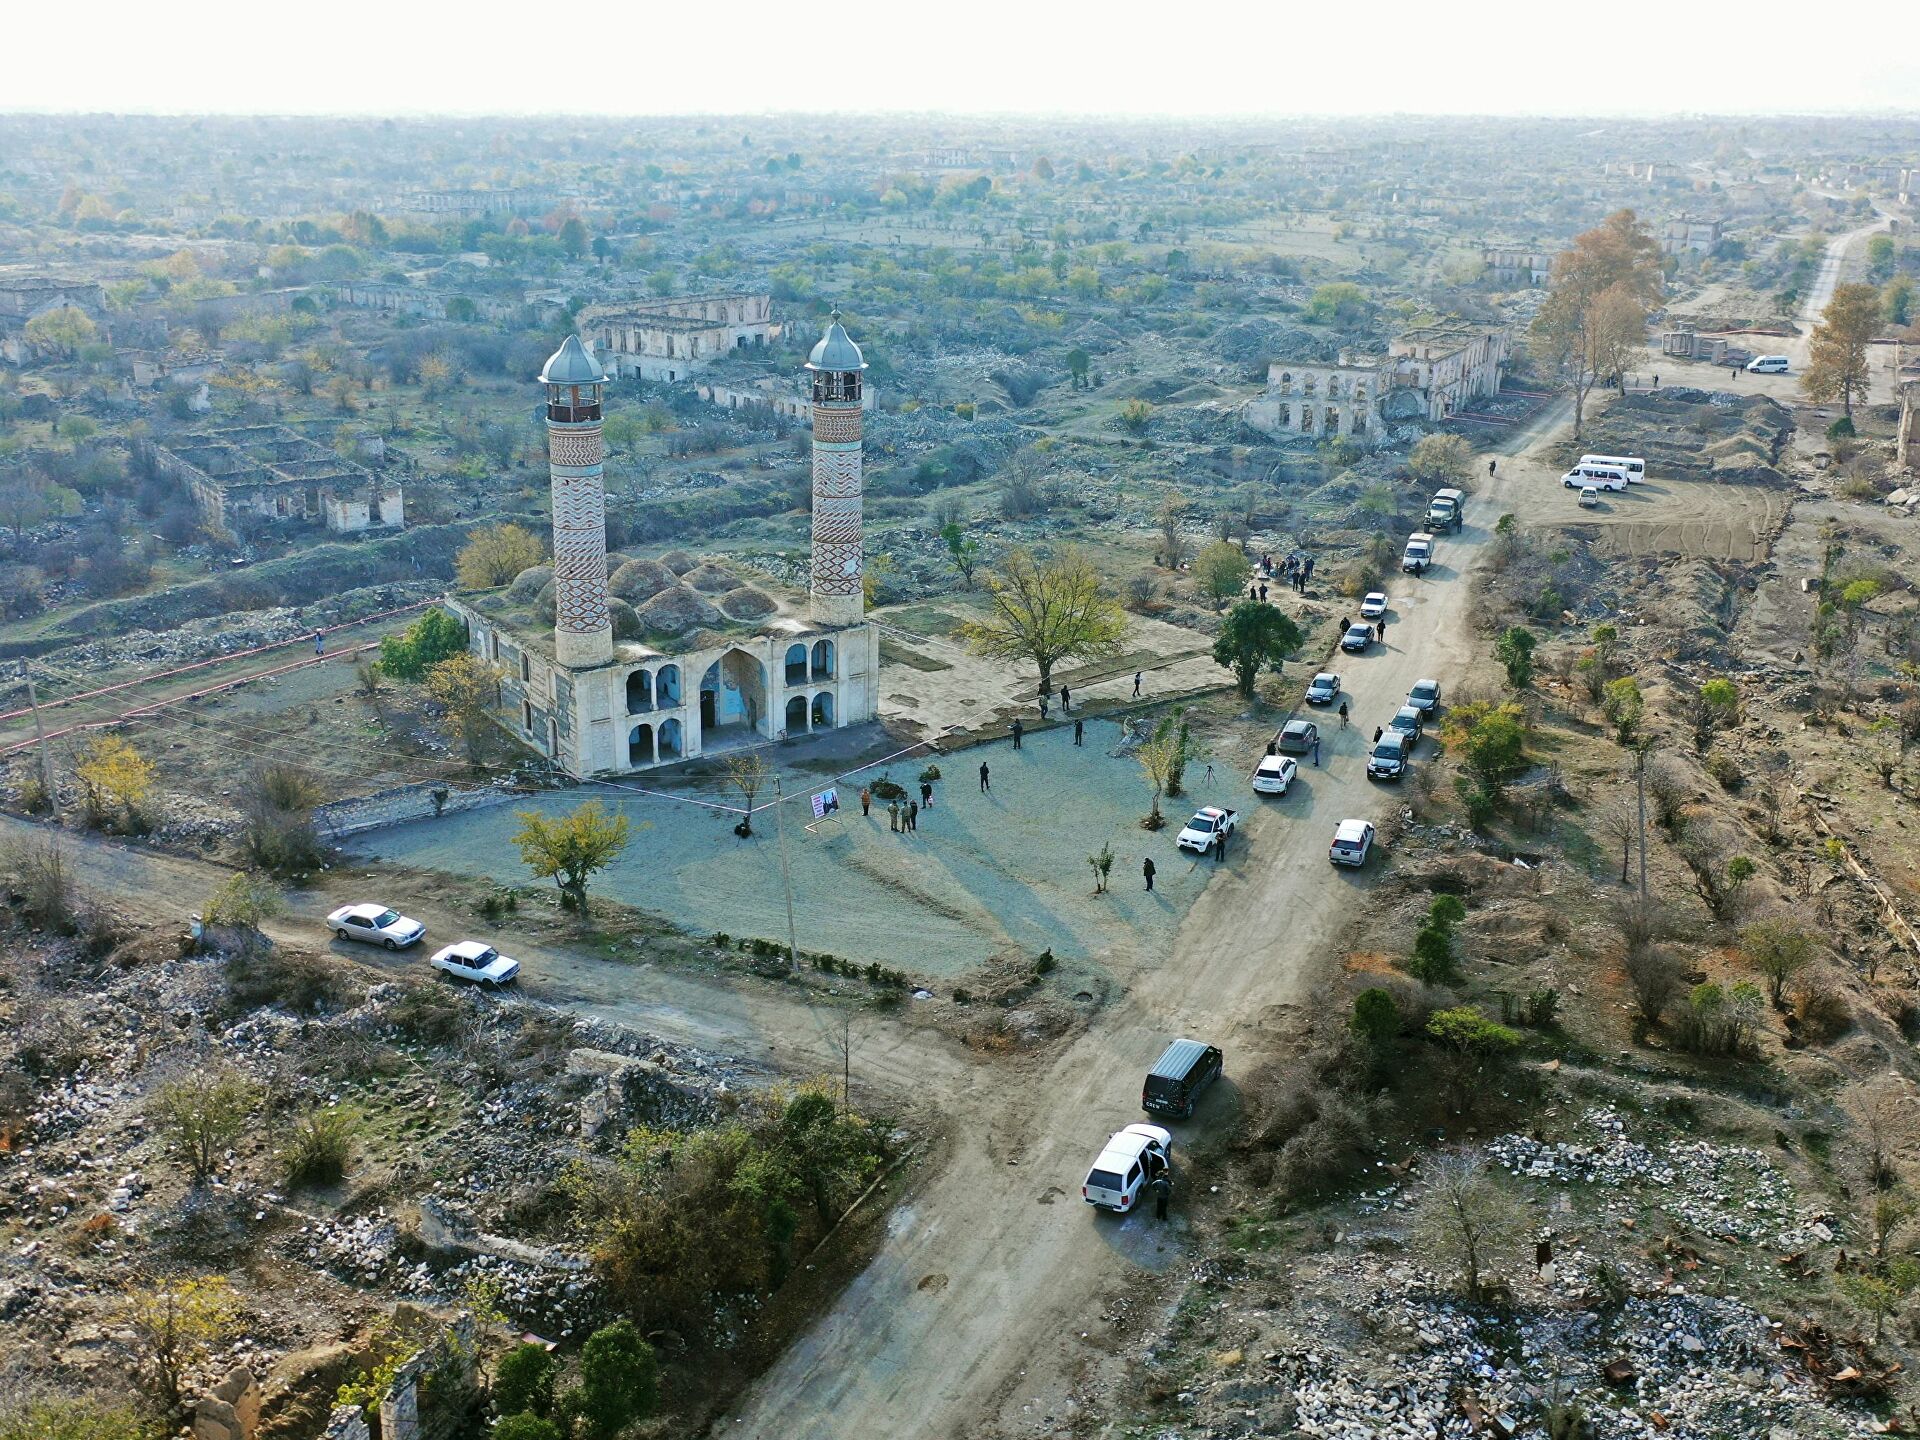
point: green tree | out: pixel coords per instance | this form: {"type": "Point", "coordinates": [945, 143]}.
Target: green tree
{"type": "Point", "coordinates": [1433, 959]}
{"type": "Point", "coordinates": [568, 850]}
{"type": "Point", "coordinates": [1376, 1016]}
{"type": "Point", "coordinates": [199, 1115]}
{"type": "Point", "coordinates": [432, 638]}
{"type": "Point", "coordinates": [523, 1381]}
{"type": "Point", "coordinates": [176, 1325]}
{"type": "Point", "coordinates": [1340, 301]}
{"type": "Point", "coordinates": [1492, 744]}
{"type": "Point", "coordinates": [1135, 414]}
{"type": "Point", "coordinates": [573, 237]}
{"type": "Point", "coordinates": [63, 330]}
{"type": "Point", "coordinates": [1254, 635]}
{"type": "Point", "coordinates": [619, 1381]}
{"type": "Point", "coordinates": [1220, 570]}
{"type": "Point", "coordinates": [1837, 363]}
{"type": "Point", "coordinates": [1882, 1294]}
{"type": "Point", "coordinates": [29, 500]}
{"type": "Point", "coordinates": [1623, 705]}
{"type": "Point", "coordinates": [1514, 650]}
{"type": "Point", "coordinates": [1078, 364]}
{"type": "Point", "coordinates": [1779, 950]}
{"type": "Point", "coordinates": [963, 551]}
{"type": "Point", "coordinates": [1047, 611]}
{"type": "Point", "coordinates": [526, 1426]}
{"type": "Point", "coordinates": [1441, 460]}
{"type": "Point", "coordinates": [1897, 301]}
{"type": "Point", "coordinates": [494, 554]}
{"type": "Point", "coordinates": [1163, 758]}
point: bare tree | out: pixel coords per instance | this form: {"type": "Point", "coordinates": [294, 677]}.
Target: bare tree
{"type": "Point", "coordinates": [1467, 1219]}
{"type": "Point", "coordinates": [748, 774]}
{"type": "Point", "coordinates": [1619, 821]}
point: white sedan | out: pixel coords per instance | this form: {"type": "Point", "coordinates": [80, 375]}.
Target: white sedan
{"type": "Point", "coordinates": [376, 925]}
{"type": "Point", "coordinates": [1275, 775]}
{"type": "Point", "coordinates": [1374, 606]}
{"type": "Point", "coordinates": [474, 960]}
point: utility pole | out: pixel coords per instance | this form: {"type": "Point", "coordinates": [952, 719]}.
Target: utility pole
{"type": "Point", "coordinates": [40, 737]}
{"type": "Point", "coordinates": [786, 879]}
{"type": "Point", "coordinates": [1640, 785]}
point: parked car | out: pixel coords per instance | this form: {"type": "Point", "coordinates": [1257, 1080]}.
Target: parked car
{"type": "Point", "coordinates": [1174, 1085]}
{"type": "Point", "coordinates": [375, 925]}
{"type": "Point", "coordinates": [1208, 821]}
{"type": "Point", "coordinates": [1425, 696]}
{"type": "Point", "coordinates": [1767, 365]}
{"type": "Point", "coordinates": [1374, 606]}
{"type": "Point", "coordinates": [1388, 758]}
{"type": "Point", "coordinates": [1419, 553]}
{"type": "Point", "coordinates": [1325, 689]}
{"type": "Point", "coordinates": [1130, 1158]}
{"type": "Point", "coordinates": [1408, 721]}
{"type": "Point", "coordinates": [1634, 465]}
{"type": "Point", "coordinates": [1297, 737]}
{"type": "Point", "coordinates": [1352, 843]}
{"type": "Point", "coordinates": [1589, 497]}
{"type": "Point", "coordinates": [1275, 774]}
{"type": "Point", "coordinates": [1358, 638]}
{"type": "Point", "coordinates": [477, 961]}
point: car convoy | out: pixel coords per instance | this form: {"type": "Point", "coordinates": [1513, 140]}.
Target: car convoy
{"type": "Point", "coordinates": [471, 960]}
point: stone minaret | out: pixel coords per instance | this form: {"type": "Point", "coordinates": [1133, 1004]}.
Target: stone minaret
{"type": "Point", "coordinates": [582, 631]}
{"type": "Point", "coordinates": [836, 363]}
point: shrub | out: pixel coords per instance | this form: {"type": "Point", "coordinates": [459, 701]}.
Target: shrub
{"type": "Point", "coordinates": [1725, 769]}
{"type": "Point", "coordinates": [428, 1015]}
{"type": "Point", "coordinates": [1822, 1012]}
{"type": "Point", "coordinates": [1433, 958]}
{"type": "Point", "coordinates": [200, 1114]}
{"type": "Point", "coordinates": [1655, 976]}
{"type": "Point", "coordinates": [523, 1381]}
{"type": "Point", "coordinates": [1330, 1146]}
{"type": "Point", "coordinates": [1718, 1021]}
{"type": "Point", "coordinates": [319, 1148]}
{"type": "Point", "coordinates": [525, 1426]}
{"type": "Point", "coordinates": [1376, 1016]}
{"type": "Point", "coordinates": [1466, 1030]}
{"type": "Point", "coordinates": [77, 1419]}
{"type": "Point", "coordinates": [304, 984]}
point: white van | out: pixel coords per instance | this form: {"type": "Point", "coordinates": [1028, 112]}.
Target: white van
{"type": "Point", "coordinates": [1767, 365]}
{"type": "Point", "coordinates": [1600, 477]}
{"type": "Point", "coordinates": [1635, 467]}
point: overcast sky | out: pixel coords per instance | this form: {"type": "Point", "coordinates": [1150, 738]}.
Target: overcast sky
{"type": "Point", "coordinates": [1203, 57]}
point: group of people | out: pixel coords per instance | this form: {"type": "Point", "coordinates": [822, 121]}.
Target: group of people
{"type": "Point", "coordinates": [903, 817]}
{"type": "Point", "coordinates": [1379, 628]}
{"type": "Point", "coordinates": [1296, 569]}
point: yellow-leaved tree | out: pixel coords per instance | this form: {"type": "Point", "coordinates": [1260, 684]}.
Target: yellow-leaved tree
{"type": "Point", "coordinates": [494, 554]}
{"type": "Point", "coordinates": [115, 781]}
{"type": "Point", "coordinates": [1047, 611]}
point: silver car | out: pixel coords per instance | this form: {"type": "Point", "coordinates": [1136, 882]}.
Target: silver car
{"type": "Point", "coordinates": [375, 925]}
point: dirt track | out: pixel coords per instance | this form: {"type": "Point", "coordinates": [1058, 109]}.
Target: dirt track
{"type": "Point", "coordinates": [971, 1317]}
{"type": "Point", "coordinates": [1673, 517]}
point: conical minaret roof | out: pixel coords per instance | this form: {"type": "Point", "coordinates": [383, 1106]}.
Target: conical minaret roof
{"type": "Point", "coordinates": [572, 365]}
{"type": "Point", "coordinates": [836, 350]}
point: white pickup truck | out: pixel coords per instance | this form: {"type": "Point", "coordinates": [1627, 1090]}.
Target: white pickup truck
{"type": "Point", "coordinates": [1210, 820]}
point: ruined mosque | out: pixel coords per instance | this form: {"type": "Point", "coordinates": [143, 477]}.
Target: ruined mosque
{"type": "Point", "coordinates": [586, 680]}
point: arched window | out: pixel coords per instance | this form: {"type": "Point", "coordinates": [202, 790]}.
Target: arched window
{"type": "Point", "coordinates": [797, 715]}
{"type": "Point", "coordinates": [640, 746]}
{"type": "Point", "coordinates": [666, 686]}
{"type": "Point", "coordinates": [823, 710]}
{"type": "Point", "coordinates": [797, 664]}
{"type": "Point", "coordinates": [639, 692]}
{"type": "Point", "coordinates": [671, 747]}
{"type": "Point", "coordinates": [823, 659]}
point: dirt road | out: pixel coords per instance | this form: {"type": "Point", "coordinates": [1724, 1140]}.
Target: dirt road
{"type": "Point", "coordinates": [974, 1313]}
{"type": "Point", "coordinates": [757, 1024]}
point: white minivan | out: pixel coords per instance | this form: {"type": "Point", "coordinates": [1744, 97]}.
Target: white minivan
{"type": "Point", "coordinates": [1600, 477]}
{"type": "Point", "coordinates": [1635, 467]}
{"type": "Point", "coordinates": [1767, 365]}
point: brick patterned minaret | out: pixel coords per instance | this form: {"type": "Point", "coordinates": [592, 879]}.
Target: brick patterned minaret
{"type": "Point", "coordinates": [837, 596]}
{"type": "Point", "coordinates": [582, 630]}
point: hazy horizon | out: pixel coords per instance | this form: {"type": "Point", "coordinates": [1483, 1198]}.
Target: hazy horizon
{"type": "Point", "coordinates": [1226, 61]}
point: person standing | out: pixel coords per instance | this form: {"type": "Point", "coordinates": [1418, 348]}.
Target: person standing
{"type": "Point", "coordinates": [1146, 869]}
{"type": "Point", "coordinates": [319, 643]}
{"type": "Point", "coordinates": [1490, 466]}
{"type": "Point", "coordinates": [913, 816]}
{"type": "Point", "coordinates": [1656, 382]}
{"type": "Point", "coordinates": [926, 795]}
{"type": "Point", "coordinates": [1219, 844]}
{"type": "Point", "coordinates": [1018, 731]}
{"type": "Point", "coordinates": [1136, 684]}
{"type": "Point", "coordinates": [1380, 629]}
{"type": "Point", "coordinates": [985, 785]}
{"type": "Point", "coordinates": [1066, 701]}
{"type": "Point", "coordinates": [1162, 1189]}
{"type": "Point", "coordinates": [1079, 729]}
{"type": "Point", "coordinates": [1263, 594]}
{"type": "Point", "coordinates": [1376, 734]}
{"type": "Point", "coordinates": [1043, 704]}
{"type": "Point", "coordinates": [893, 814]}
{"type": "Point", "coordinates": [1343, 714]}
{"type": "Point", "coordinates": [1316, 751]}
{"type": "Point", "coordinates": [1344, 622]}
{"type": "Point", "coordinates": [866, 800]}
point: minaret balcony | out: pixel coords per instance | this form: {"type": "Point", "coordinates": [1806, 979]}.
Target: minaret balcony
{"type": "Point", "coordinates": [573, 414]}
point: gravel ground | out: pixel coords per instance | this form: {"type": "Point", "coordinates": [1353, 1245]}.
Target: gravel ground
{"type": "Point", "coordinates": [985, 874]}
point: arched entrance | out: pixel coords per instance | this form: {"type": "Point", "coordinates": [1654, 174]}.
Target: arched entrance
{"type": "Point", "coordinates": [797, 715]}
{"type": "Point", "coordinates": [639, 692]}
{"type": "Point", "coordinates": [823, 710]}
{"type": "Point", "coordinates": [640, 746]}
{"type": "Point", "coordinates": [733, 695]}
{"type": "Point", "coordinates": [671, 746]}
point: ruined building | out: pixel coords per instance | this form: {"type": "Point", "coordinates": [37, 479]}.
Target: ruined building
{"type": "Point", "coordinates": [604, 685]}
{"type": "Point", "coordinates": [1427, 374]}
{"type": "Point", "coordinates": [670, 339]}
{"type": "Point", "coordinates": [267, 474]}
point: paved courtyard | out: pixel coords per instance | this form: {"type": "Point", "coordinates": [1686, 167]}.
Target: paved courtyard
{"type": "Point", "coordinates": [986, 874]}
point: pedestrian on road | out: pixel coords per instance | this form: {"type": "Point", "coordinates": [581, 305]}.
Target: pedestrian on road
{"type": "Point", "coordinates": [893, 814]}
{"type": "Point", "coordinates": [913, 816]}
{"type": "Point", "coordinates": [1018, 731]}
{"type": "Point", "coordinates": [1162, 1192]}
{"type": "Point", "coordinates": [1146, 869]}
{"type": "Point", "coordinates": [1316, 752]}
{"type": "Point", "coordinates": [1733, 372]}
{"type": "Point", "coordinates": [1272, 749]}
{"type": "Point", "coordinates": [1066, 700]}
{"type": "Point", "coordinates": [1656, 382]}
{"type": "Point", "coordinates": [926, 795]}
{"type": "Point", "coordinates": [319, 643]}
{"type": "Point", "coordinates": [1492, 465]}
{"type": "Point", "coordinates": [1380, 629]}
{"type": "Point", "coordinates": [1253, 592]}
{"type": "Point", "coordinates": [985, 784]}
{"type": "Point", "coordinates": [1079, 727]}
{"type": "Point", "coordinates": [1263, 594]}
{"type": "Point", "coordinates": [1209, 772]}
{"type": "Point", "coordinates": [1343, 714]}
{"type": "Point", "coordinates": [1136, 684]}
{"type": "Point", "coordinates": [1219, 844]}
{"type": "Point", "coordinates": [1345, 620]}
{"type": "Point", "coordinates": [1043, 705]}
{"type": "Point", "coordinates": [866, 800]}
{"type": "Point", "coordinates": [1376, 734]}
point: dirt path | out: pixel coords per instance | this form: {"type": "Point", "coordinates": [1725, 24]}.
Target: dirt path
{"type": "Point", "coordinates": [987, 1299]}
{"type": "Point", "coordinates": [769, 1031]}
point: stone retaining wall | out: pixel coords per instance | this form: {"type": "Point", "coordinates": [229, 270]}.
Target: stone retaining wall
{"type": "Point", "coordinates": [419, 801]}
